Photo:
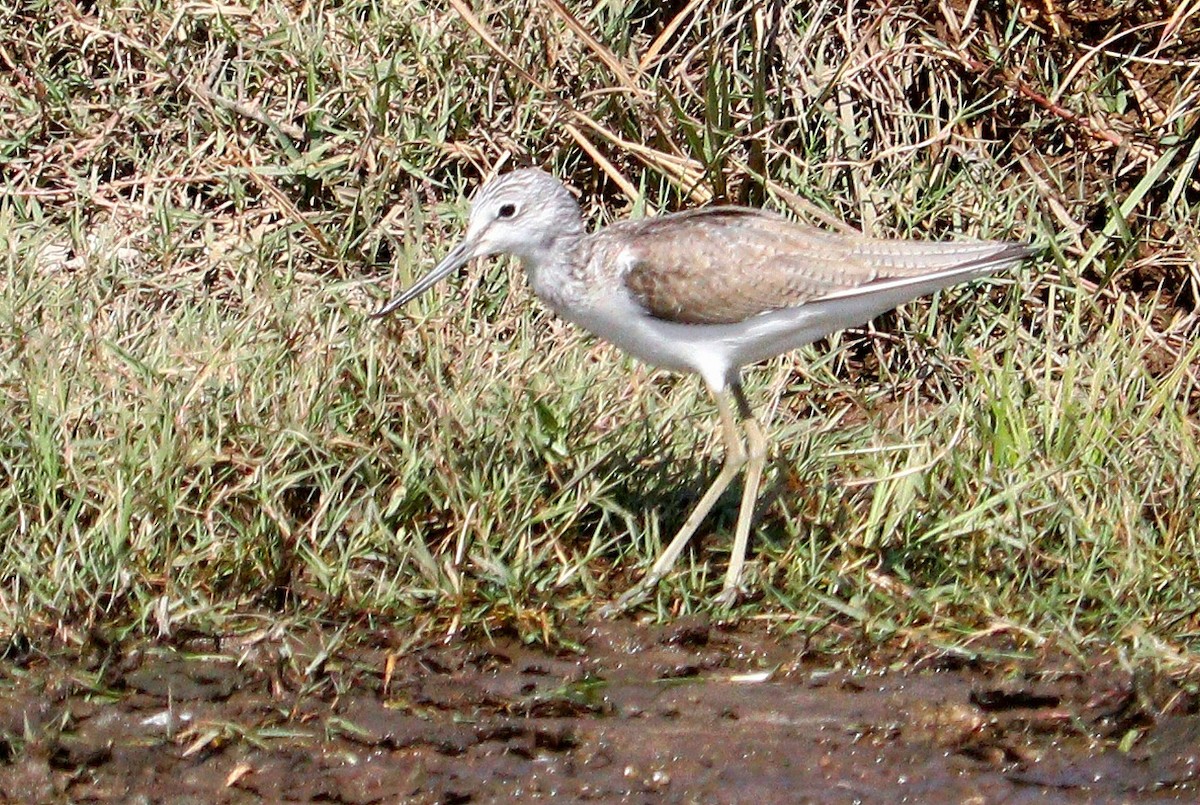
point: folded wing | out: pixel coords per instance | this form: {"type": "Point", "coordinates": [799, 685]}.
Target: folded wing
{"type": "Point", "coordinates": [725, 264]}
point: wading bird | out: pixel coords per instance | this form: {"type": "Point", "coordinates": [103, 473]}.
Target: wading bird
{"type": "Point", "coordinates": [707, 291]}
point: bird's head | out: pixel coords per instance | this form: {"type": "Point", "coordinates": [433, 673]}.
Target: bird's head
{"type": "Point", "coordinates": [522, 213]}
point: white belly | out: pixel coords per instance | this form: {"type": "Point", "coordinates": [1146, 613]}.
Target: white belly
{"type": "Point", "coordinates": [717, 351]}
{"type": "Point", "coordinates": [704, 349]}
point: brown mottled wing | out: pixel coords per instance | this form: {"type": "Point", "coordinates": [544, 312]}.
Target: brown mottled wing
{"type": "Point", "coordinates": [725, 264]}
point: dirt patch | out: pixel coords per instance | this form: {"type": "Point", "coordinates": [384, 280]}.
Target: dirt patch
{"type": "Point", "coordinates": [688, 712]}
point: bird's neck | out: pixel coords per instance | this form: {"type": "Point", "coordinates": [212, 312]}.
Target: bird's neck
{"type": "Point", "coordinates": [551, 268]}
{"type": "Point", "coordinates": [552, 247]}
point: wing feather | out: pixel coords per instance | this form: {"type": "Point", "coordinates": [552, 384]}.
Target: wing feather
{"type": "Point", "coordinates": [722, 265]}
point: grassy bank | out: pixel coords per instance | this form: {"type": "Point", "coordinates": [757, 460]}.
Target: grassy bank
{"type": "Point", "coordinates": [200, 203]}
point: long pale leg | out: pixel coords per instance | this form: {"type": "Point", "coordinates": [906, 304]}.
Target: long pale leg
{"type": "Point", "coordinates": [735, 457]}
{"type": "Point", "coordinates": [756, 449]}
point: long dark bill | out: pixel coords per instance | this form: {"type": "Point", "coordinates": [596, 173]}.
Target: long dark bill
{"type": "Point", "coordinates": [457, 257]}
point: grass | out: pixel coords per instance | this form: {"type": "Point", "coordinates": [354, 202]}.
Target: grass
{"type": "Point", "coordinates": [198, 425]}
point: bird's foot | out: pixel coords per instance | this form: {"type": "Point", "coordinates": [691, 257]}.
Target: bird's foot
{"type": "Point", "coordinates": [728, 597]}
{"type": "Point", "coordinates": [633, 595]}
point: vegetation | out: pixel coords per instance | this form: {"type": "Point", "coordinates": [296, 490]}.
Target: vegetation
{"type": "Point", "coordinates": [201, 201]}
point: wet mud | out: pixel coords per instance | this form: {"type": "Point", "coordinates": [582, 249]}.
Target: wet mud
{"type": "Point", "coordinates": [690, 712]}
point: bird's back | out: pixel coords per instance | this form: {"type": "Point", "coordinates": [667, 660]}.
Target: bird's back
{"type": "Point", "coordinates": [723, 265]}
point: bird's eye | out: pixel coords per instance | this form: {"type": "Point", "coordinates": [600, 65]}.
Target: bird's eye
{"type": "Point", "coordinates": [506, 211]}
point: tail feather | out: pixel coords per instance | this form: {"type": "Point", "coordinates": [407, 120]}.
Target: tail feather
{"type": "Point", "coordinates": [927, 269]}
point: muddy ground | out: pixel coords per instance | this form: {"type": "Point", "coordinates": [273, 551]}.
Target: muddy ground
{"type": "Point", "coordinates": [691, 712]}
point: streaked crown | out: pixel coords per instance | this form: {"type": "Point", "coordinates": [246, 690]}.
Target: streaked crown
{"type": "Point", "coordinates": [523, 213]}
